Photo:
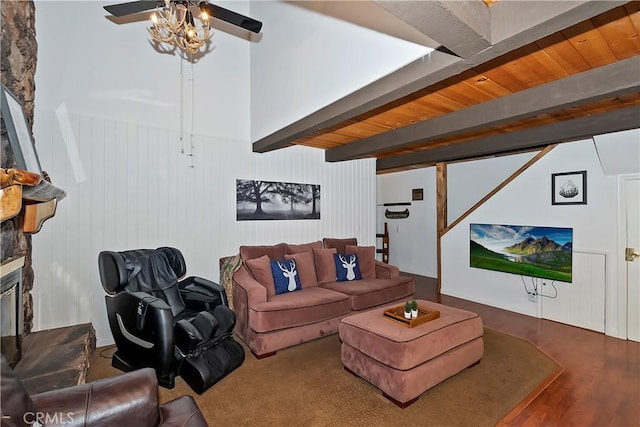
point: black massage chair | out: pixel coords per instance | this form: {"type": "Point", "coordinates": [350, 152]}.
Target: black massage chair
{"type": "Point", "coordinates": [178, 327]}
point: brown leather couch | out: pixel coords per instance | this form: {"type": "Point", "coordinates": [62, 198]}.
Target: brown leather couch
{"type": "Point", "coordinates": [130, 399]}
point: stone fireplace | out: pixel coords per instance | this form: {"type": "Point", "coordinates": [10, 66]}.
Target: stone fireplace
{"type": "Point", "coordinates": [17, 70]}
{"type": "Point", "coordinates": [11, 323]}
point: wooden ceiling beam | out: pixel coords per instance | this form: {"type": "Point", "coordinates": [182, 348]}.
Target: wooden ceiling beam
{"type": "Point", "coordinates": [438, 66]}
{"type": "Point", "coordinates": [565, 131]}
{"type": "Point", "coordinates": [608, 81]}
{"type": "Point", "coordinates": [462, 27]}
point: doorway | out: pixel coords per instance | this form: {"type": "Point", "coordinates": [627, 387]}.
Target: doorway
{"type": "Point", "coordinates": [630, 224]}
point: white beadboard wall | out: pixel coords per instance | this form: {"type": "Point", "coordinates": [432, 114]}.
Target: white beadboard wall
{"type": "Point", "coordinates": [582, 302]}
{"type": "Point", "coordinates": [140, 191]}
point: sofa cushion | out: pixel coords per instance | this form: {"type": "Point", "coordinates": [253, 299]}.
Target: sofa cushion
{"type": "Point", "coordinates": [285, 276]}
{"type": "Point", "coordinates": [272, 251]}
{"type": "Point", "coordinates": [307, 306]}
{"type": "Point", "coordinates": [304, 247]}
{"type": "Point", "coordinates": [366, 259]}
{"type": "Point", "coordinates": [339, 244]}
{"type": "Point", "coordinates": [325, 266]}
{"type": "Point", "coordinates": [306, 268]}
{"type": "Point", "coordinates": [347, 268]}
{"type": "Point", "coordinates": [367, 293]}
{"type": "Point", "coordinates": [260, 268]}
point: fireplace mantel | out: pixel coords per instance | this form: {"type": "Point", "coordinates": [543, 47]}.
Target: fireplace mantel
{"type": "Point", "coordinates": [38, 196]}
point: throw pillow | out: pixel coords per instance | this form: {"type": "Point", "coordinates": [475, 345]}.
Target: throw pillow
{"type": "Point", "coordinates": [261, 270]}
{"type": "Point", "coordinates": [347, 268]}
{"type": "Point", "coordinates": [366, 259]}
{"type": "Point", "coordinates": [285, 276]}
{"type": "Point", "coordinates": [325, 266]}
{"type": "Point", "coordinates": [303, 247]}
{"type": "Point", "coordinates": [306, 268]}
{"type": "Point", "coordinates": [339, 244]}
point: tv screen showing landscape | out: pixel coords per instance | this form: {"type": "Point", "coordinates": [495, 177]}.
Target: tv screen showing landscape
{"type": "Point", "coordinates": [543, 252]}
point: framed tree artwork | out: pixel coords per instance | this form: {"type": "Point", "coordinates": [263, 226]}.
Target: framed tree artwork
{"type": "Point", "coordinates": [268, 200]}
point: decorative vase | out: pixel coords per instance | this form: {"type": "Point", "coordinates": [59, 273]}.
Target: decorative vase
{"type": "Point", "coordinates": [414, 313]}
{"type": "Point", "coordinates": [407, 315]}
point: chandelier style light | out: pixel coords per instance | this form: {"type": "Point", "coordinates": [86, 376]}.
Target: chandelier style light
{"type": "Point", "coordinates": [175, 25]}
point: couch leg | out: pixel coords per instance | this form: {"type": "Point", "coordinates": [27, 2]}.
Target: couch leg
{"type": "Point", "coordinates": [264, 355]}
{"type": "Point", "coordinates": [400, 405]}
{"type": "Point", "coordinates": [351, 372]}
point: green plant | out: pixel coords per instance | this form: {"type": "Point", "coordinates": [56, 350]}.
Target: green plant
{"type": "Point", "coordinates": [407, 307]}
{"type": "Point", "coordinates": [414, 305]}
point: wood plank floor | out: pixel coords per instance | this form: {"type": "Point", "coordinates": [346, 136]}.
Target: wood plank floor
{"type": "Point", "coordinates": [601, 382]}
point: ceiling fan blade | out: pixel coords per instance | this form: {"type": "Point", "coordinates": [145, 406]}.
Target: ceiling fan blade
{"type": "Point", "coordinates": [123, 9]}
{"type": "Point", "coordinates": [232, 17]}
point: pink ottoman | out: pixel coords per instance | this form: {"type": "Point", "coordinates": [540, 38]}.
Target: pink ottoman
{"type": "Point", "coordinates": [405, 362]}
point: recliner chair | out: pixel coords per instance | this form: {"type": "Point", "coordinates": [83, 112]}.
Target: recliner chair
{"type": "Point", "coordinates": [177, 327]}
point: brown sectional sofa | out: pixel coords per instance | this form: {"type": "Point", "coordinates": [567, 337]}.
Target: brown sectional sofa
{"type": "Point", "coordinates": [268, 322]}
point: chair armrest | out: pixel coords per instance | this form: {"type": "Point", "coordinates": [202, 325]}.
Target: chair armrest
{"type": "Point", "coordinates": [182, 411]}
{"type": "Point", "coordinates": [194, 282]}
{"type": "Point", "coordinates": [386, 271]}
{"type": "Point", "coordinates": [127, 399]}
{"type": "Point", "coordinates": [202, 294]}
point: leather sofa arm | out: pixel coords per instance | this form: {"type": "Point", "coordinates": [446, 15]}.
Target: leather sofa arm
{"type": "Point", "coordinates": [386, 271]}
{"type": "Point", "coordinates": [128, 399]}
{"type": "Point", "coordinates": [180, 412]}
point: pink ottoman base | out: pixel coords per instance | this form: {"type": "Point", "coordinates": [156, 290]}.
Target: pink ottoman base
{"type": "Point", "coordinates": [406, 362]}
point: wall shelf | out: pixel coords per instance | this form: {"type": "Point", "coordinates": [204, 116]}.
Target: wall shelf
{"type": "Point", "coordinates": [28, 190]}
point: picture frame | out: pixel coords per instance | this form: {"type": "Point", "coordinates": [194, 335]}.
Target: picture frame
{"type": "Point", "coordinates": [271, 200]}
{"type": "Point", "coordinates": [569, 188]}
{"type": "Point", "coordinates": [18, 132]}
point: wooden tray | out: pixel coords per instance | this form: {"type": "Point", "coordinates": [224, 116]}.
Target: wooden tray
{"type": "Point", "coordinates": [425, 314]}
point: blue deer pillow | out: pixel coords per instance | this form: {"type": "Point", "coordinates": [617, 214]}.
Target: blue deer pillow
{"type": "Point", "coordinates": [347, 267]}
{"type": "Point", "coordinates": [285, 276]}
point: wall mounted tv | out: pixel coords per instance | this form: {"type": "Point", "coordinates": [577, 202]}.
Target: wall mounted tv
{"type": "Point", "coordinates": [543, 252]}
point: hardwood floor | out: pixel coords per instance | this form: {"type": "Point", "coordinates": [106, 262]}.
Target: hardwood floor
{"type": "Point", "coordinates": [601, 382]}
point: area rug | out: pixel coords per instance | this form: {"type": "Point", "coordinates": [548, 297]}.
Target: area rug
{"type": "Point", "coordinates": [307, 385]}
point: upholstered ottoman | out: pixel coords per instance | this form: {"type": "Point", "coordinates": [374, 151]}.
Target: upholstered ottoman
{"type": "Point", "coordinates": [405, 362]}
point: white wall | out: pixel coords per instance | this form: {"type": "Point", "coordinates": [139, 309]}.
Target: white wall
{"type": "Point", "coordinates": [306, 60]}
{"type": "Point", "coordinates": [138, 189]}
{"type": "Point", "coordinates": [103, 69]}
{"type": "Point", "coordinates": [527, 201]}
{"type": "Point", "coordinates": [469, 182]}
{"type": "Point", "coordinates": [412, 241]}
{"type": "Point", "coordinates": [141, 192]}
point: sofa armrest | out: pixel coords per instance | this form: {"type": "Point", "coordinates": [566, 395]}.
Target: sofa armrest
{"type": "Point", "coordinates": [386, 271]}
{"type": "Point", "coordinates": [256, 293]}
{"type": "Point", "coordinates": [182, 412]}
{"type": "Point", "coordinates": [247, 292]}
{"type": "Point", "coordinates": [127, 399]}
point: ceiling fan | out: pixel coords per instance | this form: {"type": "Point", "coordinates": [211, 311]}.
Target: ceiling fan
{"type": "Point", "coordinates": [122, 9]}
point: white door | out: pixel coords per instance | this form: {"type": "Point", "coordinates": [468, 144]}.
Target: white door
{"type": "Point", "coordinates": [632, 224]}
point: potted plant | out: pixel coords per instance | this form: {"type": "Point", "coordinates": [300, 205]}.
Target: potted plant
{"type": "Point", "coordinates": [407, 310]}
{"type": "Point", "coordinates": [414, 309]}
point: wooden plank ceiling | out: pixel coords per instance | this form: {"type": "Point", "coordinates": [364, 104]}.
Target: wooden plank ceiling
{"type": "Point", "coordinates": [604, 40]}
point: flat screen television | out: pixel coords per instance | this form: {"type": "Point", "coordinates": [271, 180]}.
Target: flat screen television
{"type": "Point", "coordinates": [543, 252]}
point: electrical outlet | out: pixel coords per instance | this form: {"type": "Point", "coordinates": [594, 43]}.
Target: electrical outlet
{"type": "Point", "coordinates": [533, 297]}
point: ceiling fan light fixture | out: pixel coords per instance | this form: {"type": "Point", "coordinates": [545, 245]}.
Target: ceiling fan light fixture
{"type": "Point", "coordinates": [174, 24]}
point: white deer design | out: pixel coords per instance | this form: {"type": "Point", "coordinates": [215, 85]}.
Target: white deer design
{"type": "Point", "coordinates": [349, 265]}
{"type": "Point", "coordinates": [289, 274]}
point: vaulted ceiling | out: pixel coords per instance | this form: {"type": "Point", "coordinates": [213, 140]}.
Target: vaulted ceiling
{"type": "Point", "coordinates": [506, 76]}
